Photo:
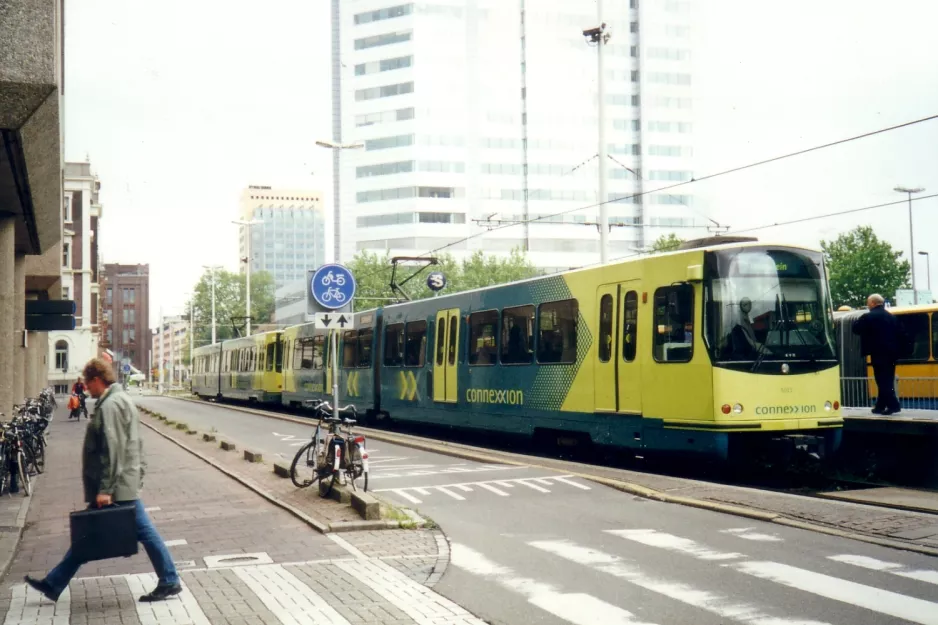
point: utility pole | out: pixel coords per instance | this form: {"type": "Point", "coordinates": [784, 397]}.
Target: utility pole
{"type": "Point", "coordinates": [247, 269]}
{"type": "Point", "coordinates": [911, 236]}
{"type": "Point", "coordinates": [172, 356]}
{"type": "Point", "coordinates": [599, 36]}
{"type": "Point", "coordinates": [191, 335]}
{"type": "Point", "coordinates": [160, 332]}
{"type": "Point", "coordinates": [212, 268]}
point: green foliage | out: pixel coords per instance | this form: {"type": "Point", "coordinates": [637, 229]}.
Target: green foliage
{"type": "Point", "coordinates": [666, 243]}
{"type": "Point", "coordinates": [859, 263]}
{"type": "Point", "coordinates": [373, 275]}
{"type": "Point", "coordinates": [229, 302]}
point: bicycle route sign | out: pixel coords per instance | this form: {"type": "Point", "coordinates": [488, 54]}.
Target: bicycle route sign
{"type": "Point", "coordinates": [332, 286]}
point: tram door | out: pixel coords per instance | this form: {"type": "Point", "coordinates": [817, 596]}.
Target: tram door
{"type": "Point", "coordinates": [617, 379]}
{"type": "Point", "coordinates": [445, 353]}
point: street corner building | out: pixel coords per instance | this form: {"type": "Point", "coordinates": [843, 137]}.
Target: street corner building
{"type": "Point", "coordinates": [31, 171]}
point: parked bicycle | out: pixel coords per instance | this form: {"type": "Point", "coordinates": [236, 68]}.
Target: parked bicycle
{"type": "Point", "coordinates": [333, 453]}
{"type": "Point", "coordinates": [23, 442]}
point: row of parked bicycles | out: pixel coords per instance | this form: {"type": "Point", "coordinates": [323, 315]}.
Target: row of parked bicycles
{"type": "Point", "coordinates": [23, 442]}
{"type": "Point", "coordinates": [335, 454]}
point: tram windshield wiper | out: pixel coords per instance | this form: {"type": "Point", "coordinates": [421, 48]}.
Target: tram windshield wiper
{"type": "Point", "coordinates": [763, 348]}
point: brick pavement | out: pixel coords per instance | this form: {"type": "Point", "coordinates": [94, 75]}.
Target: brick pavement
{"type": "Point", "coordinates": [355, 577]}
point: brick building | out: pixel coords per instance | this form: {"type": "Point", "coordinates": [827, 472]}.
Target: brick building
{"type": "Point", "coordinates": [125, 328]}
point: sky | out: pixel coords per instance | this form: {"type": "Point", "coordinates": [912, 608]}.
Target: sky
{"type": "Point", "coordinates": [179, 105]}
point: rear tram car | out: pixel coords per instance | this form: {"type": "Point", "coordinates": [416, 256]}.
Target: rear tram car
{"type": "Point", "coordinates": [712, 349]}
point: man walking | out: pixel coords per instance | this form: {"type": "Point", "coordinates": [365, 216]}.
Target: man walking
{"type": "Point", "coordinates": [112, 472]}
{"type": "Point", "coordinates": [880, 337]}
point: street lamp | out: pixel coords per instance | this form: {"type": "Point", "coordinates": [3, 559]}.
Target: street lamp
{"type": "Point", "coordinates": [247, 290]}
{"type": "Point", "coordinates": [911, 238]}
{"type": "Point", "coordinates": [212, 268]}
{"type": "Point", "coordinates": [599, 36]}
{"type": "Point", "coordinates": [927, 267]}
{"type": "Point", "coordinates": [336, 200]}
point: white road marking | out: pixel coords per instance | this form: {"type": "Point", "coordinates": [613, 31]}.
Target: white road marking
{"type": "Point", "coordinates": [489, 485]}
{"type": "Point", "coordinates": [237, 559]}
{"type": "Point", "coordinates": [749, 534]}
{"type": "Point", "coordinates": [447, 491]}
{"type": "Point", "coordinates": [922, 575]}
{"type": "Point", "coordinates": [412, 598]}
{"type": "Point", "coordinates": [152, 509]}
{"type": "Point", "coordinates": [405, 495]}
{"type": "Point", "coordinates": [671, 542]}
{"type": "Point", "coordinates": [491, 488]}
{"type": "Point", "coordinates": [570, 482]}
{"type": "Point", "coordinates": [714, 603]}
{"type": "Point", "coordinates": [394, 471]}
{"type": "Point", "coordinates": [352, 549]}
{"type": "Point", "coordinates": [577, 608]}
{"type": "Point", "coordinates": [464, 488]}
{"type": "Point", "coordinates": [289, 599]}
{"type": "Point", "coordinates": [183, 610]}
{"type": "Point", "coordinates": [178, 542]}
{"type": "Point", "coordinates": [869, 597]}
{"type": "Point", "coordinates": [533, 486]}
{"type": "Point", "coordinates": [29, 607]}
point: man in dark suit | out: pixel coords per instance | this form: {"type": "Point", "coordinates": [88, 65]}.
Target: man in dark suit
{"type": "Point", "coordinates": [880, 339]}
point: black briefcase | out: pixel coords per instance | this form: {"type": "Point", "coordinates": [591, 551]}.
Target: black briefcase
{"type": "Point", "coordinates": [102, 533]}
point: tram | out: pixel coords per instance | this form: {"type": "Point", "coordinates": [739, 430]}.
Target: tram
{"type": "Point", "coordinates": [719, 348]}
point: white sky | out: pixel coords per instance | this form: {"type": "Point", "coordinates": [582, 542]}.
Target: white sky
{"type": "Point", "coordinates": [181, 104]}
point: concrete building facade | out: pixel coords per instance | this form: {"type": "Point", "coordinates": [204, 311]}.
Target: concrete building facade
{"type": "Point", "coordinates": [81, 220]}
{"type": "Point", "coordinates": [174, 336]}
{"type": "Point", "coordinates": [125, 328]}
{"type": "Point", "coordinates": [290, 236]}
{"type": "Point", "coordinates": [452, 148]}
{"type": "Point", "coordinates": [30, 187]}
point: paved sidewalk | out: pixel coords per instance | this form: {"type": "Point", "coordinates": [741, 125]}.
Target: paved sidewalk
{"type": "Point", "coordinates": [241, 559]}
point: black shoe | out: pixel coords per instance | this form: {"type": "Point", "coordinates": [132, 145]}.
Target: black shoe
{"type": "Point", "coordinates": [877, 411]}
{"type": "Point", "coordinates": [162, 592]}
{"type": "Point", "coordinates": [40, 585]}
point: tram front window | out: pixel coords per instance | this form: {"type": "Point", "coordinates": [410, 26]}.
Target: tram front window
{"type": "Point", "coordinates": [765, 307]}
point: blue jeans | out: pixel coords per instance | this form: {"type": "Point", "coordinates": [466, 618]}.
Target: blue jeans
{"type": "Point", "coordinates": [59, 577]}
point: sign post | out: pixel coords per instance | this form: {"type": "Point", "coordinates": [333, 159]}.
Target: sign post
{"type": "Point", "coordinates": [333, 287]}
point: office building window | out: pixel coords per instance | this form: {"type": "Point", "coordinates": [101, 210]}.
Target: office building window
{"type": "Point", "coordinates": [384, 169]}
{"type": "Point", "coordinates": [61, 355]}
{"type": "Point", "coordinates": [384, 91]}
{"type": "Point", "coordinates": [383, 39]}
{"type": "Point", "coordinates": [385, 143]}
{"type": "Point", "coordinates": [384, 14]}
{"type": "Point", "coordinates": [67, 209]}
{"type": "Point", "coordinates": [384, 65]}
{"type": "Point", "coordinates": [66, 255]}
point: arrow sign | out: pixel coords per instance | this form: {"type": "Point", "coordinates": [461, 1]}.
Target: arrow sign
{"type": "Point", "coordinates": [343, 321]}
{"type": "Point", "coordinates": [325, 321]}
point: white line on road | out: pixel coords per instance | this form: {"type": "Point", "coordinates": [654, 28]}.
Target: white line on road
{"type": "Point", "coordinates": [488, 485]}
{"type": "Point", "coordinates": [720, 605]}
{"type": "Point", "coordinates": [671, 542]}
{"type": "Point", "coordinates": [352, 549]}
{"type": "Point", "coordinates": [289, 599]}
{"type": "Point", "coordinates": [404, 494]}
{"type": "Point", "coordinates": [570, 482]}
{"type": "Point", "coordinates": [749, 534]}
{"type": "Point", "coordinates": [152, 509]}
{"type": "Point", "coordinates": [186, 611]}
{"type": "Point", "coordinates": [178, 542]}
{"type": "Point", "coordinates": [491, 488]}
{"type": "Point", "coordinates": [447, 491]}
{"type": "Point", "coordinates": [534, 486]}
{"type": "Point", "coordinates": [577, 608]}
{"type": "Point", "coordinates": [869, 597]}
{"type": "Point", "coordinates": [922, 575]}
{"type": "Point", "coordinates": [28, 607]}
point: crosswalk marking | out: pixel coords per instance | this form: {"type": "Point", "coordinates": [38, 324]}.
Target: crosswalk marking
{"type": "Point", "coordinates": [178, 542]}
{"type": "Point", "coordinates": [184, 611]}
{"type": "Point", "coordinates": [711, 602]}
{"type": "Point", "coordinates": [923, 575]}
{"type": "Point", "coordinates": [27, 606]}
{"type": "Point", "coordinates": [497, 487]}
{"type": "Point", "coordinates": [670, 542]}
{"type": "Point", "coordinates": [749, 533]}
{"type": "Point", "coordinates": [869, 597]}
{"type": "Point", "coordinates": [289, 599]}
{"type": "Point", "coordinates": [576, 608]}
{"type": "Point", "coordinates": [393, 471]}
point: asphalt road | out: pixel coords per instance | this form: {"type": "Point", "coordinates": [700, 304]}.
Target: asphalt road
{"type": "Point", "coordinates": [532, 545]}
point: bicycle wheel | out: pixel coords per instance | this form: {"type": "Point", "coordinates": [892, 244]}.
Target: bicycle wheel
{"type": "Point", "coordinates": [356, 473]}
{"type": "Point", "coordinates": [24, 474]}
{"type": "Point", "coordinates": [304, 463]}
{"type": "Point", "coordinates": [33, 458]}
{"type": "Point", "coordinates": [328, 476]}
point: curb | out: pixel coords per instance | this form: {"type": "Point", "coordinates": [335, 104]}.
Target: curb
{"type": "Point", "coordinates": [627, 487]}
{"type": "Point", "coordinates": [16, 531]}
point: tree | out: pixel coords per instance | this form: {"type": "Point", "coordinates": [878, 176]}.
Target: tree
{"type": "Point", "coordinates": [859, 263]}
{"type": "Point", "coordinates": [666, 243]}
{"type": "Point", "coordinates": [373, 275]}
{"type": "Point", "coordinates": [229, 303]}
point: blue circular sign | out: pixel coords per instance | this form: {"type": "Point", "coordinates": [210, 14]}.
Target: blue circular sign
{"type": "Point", "coordinates": [333, 286]}
{"type": "Point", "coordinates": [126, 368]}
{"type": "Point", "coordinates": [436, 281]}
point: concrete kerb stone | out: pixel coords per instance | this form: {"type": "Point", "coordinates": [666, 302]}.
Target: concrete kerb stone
{"type": "Point", "coordinates": [253, 456]}
{"type": "Point", "coordinates": [228, 446]}
{"type": "Point", "coordinates": [281, 470]}
{"type": "Point", "coordinates": [367, 506]}
{"type": "Point", "coordinates": [208, 438]}
{"type": "Point", "coordinates": [635, 489]}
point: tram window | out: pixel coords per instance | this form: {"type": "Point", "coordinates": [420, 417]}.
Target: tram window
{"type": "Point", "coordinates": [349, 349]}
{"type": "Point", "coordinates": [518, 335]}
{"type": "Point", "coordinates": [605, 328]}
{"type": "Point", "coordinates": [934, 336]}
{"type": "Point", "coordinates": [630, 327]}
{"type": "Point", "coordinates": [415, 345]}
{"type": "Point", "coordinates": [674, 324]}
{"type": "Point", "coordinates": [365, 340]}
{"type": "Point", "coordinates": [441, 341]}
{"type": "Point", "coordinates": [305, 353]}
{"type": "Point", "coordinates": [556, 341]}
{"type": "Point", "coordinates": [915, 330]}
{"type": "Point", "coordinates": [278, 362]}
{"type": "Point", "coordinates": [453, 329]}
{"type": "Point", "coordinates": [297, 354]}
{"type": "Point", "coordinates": [271, 354]}
{"type": "Point", "coordinates": [394, 345]}
{"type": "Point", "coordinates": [316, 351]}
{"type": "Point", "coordinates": [483, 337]}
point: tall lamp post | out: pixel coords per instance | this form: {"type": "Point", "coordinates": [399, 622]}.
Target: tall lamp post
{"type": "Point", "coordinates": [928, 268]}
{"type": "Point", "coordinates": [599, 36]}
{"type": "Point", "coordinates": [212, 268]}
{"type": "Point", "coordinates": [336, 214]}
{"type": "Point", "coordinates": [909, 191]}
{"type": "Point", "coordinates": [247, 270]}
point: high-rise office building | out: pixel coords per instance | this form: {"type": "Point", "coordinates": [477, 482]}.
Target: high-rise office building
{"type": "Point", "coordinates": [70, 350]}
{"type": "Point", "coordinates": [454, 100]}
{"type": "Point", "coordinates": [125, 331]}
{"type": "Point", "coordinates": [289, 234]}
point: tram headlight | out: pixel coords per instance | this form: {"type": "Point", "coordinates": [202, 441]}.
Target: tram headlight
{"type": "Point", "coordinates": [726, 409]}
{"type": "Point", "coordinates": [738, 408]}
{"type": "Point", "coordinates": [828, 406]}
{"type": "Point", "coordinates": [785, 368]}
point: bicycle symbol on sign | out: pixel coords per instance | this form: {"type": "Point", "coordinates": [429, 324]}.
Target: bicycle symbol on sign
{"type": "Point", "coordinates": [334, 293]}
{"type": "Point", "coordinates": [331, 278]}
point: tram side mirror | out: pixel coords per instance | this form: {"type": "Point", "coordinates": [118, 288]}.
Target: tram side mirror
{"type": "Point", "coordinates": [695, 273]}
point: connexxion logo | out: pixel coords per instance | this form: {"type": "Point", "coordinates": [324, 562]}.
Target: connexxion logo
{"type": "Point", "coordinates": [802, 409]}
